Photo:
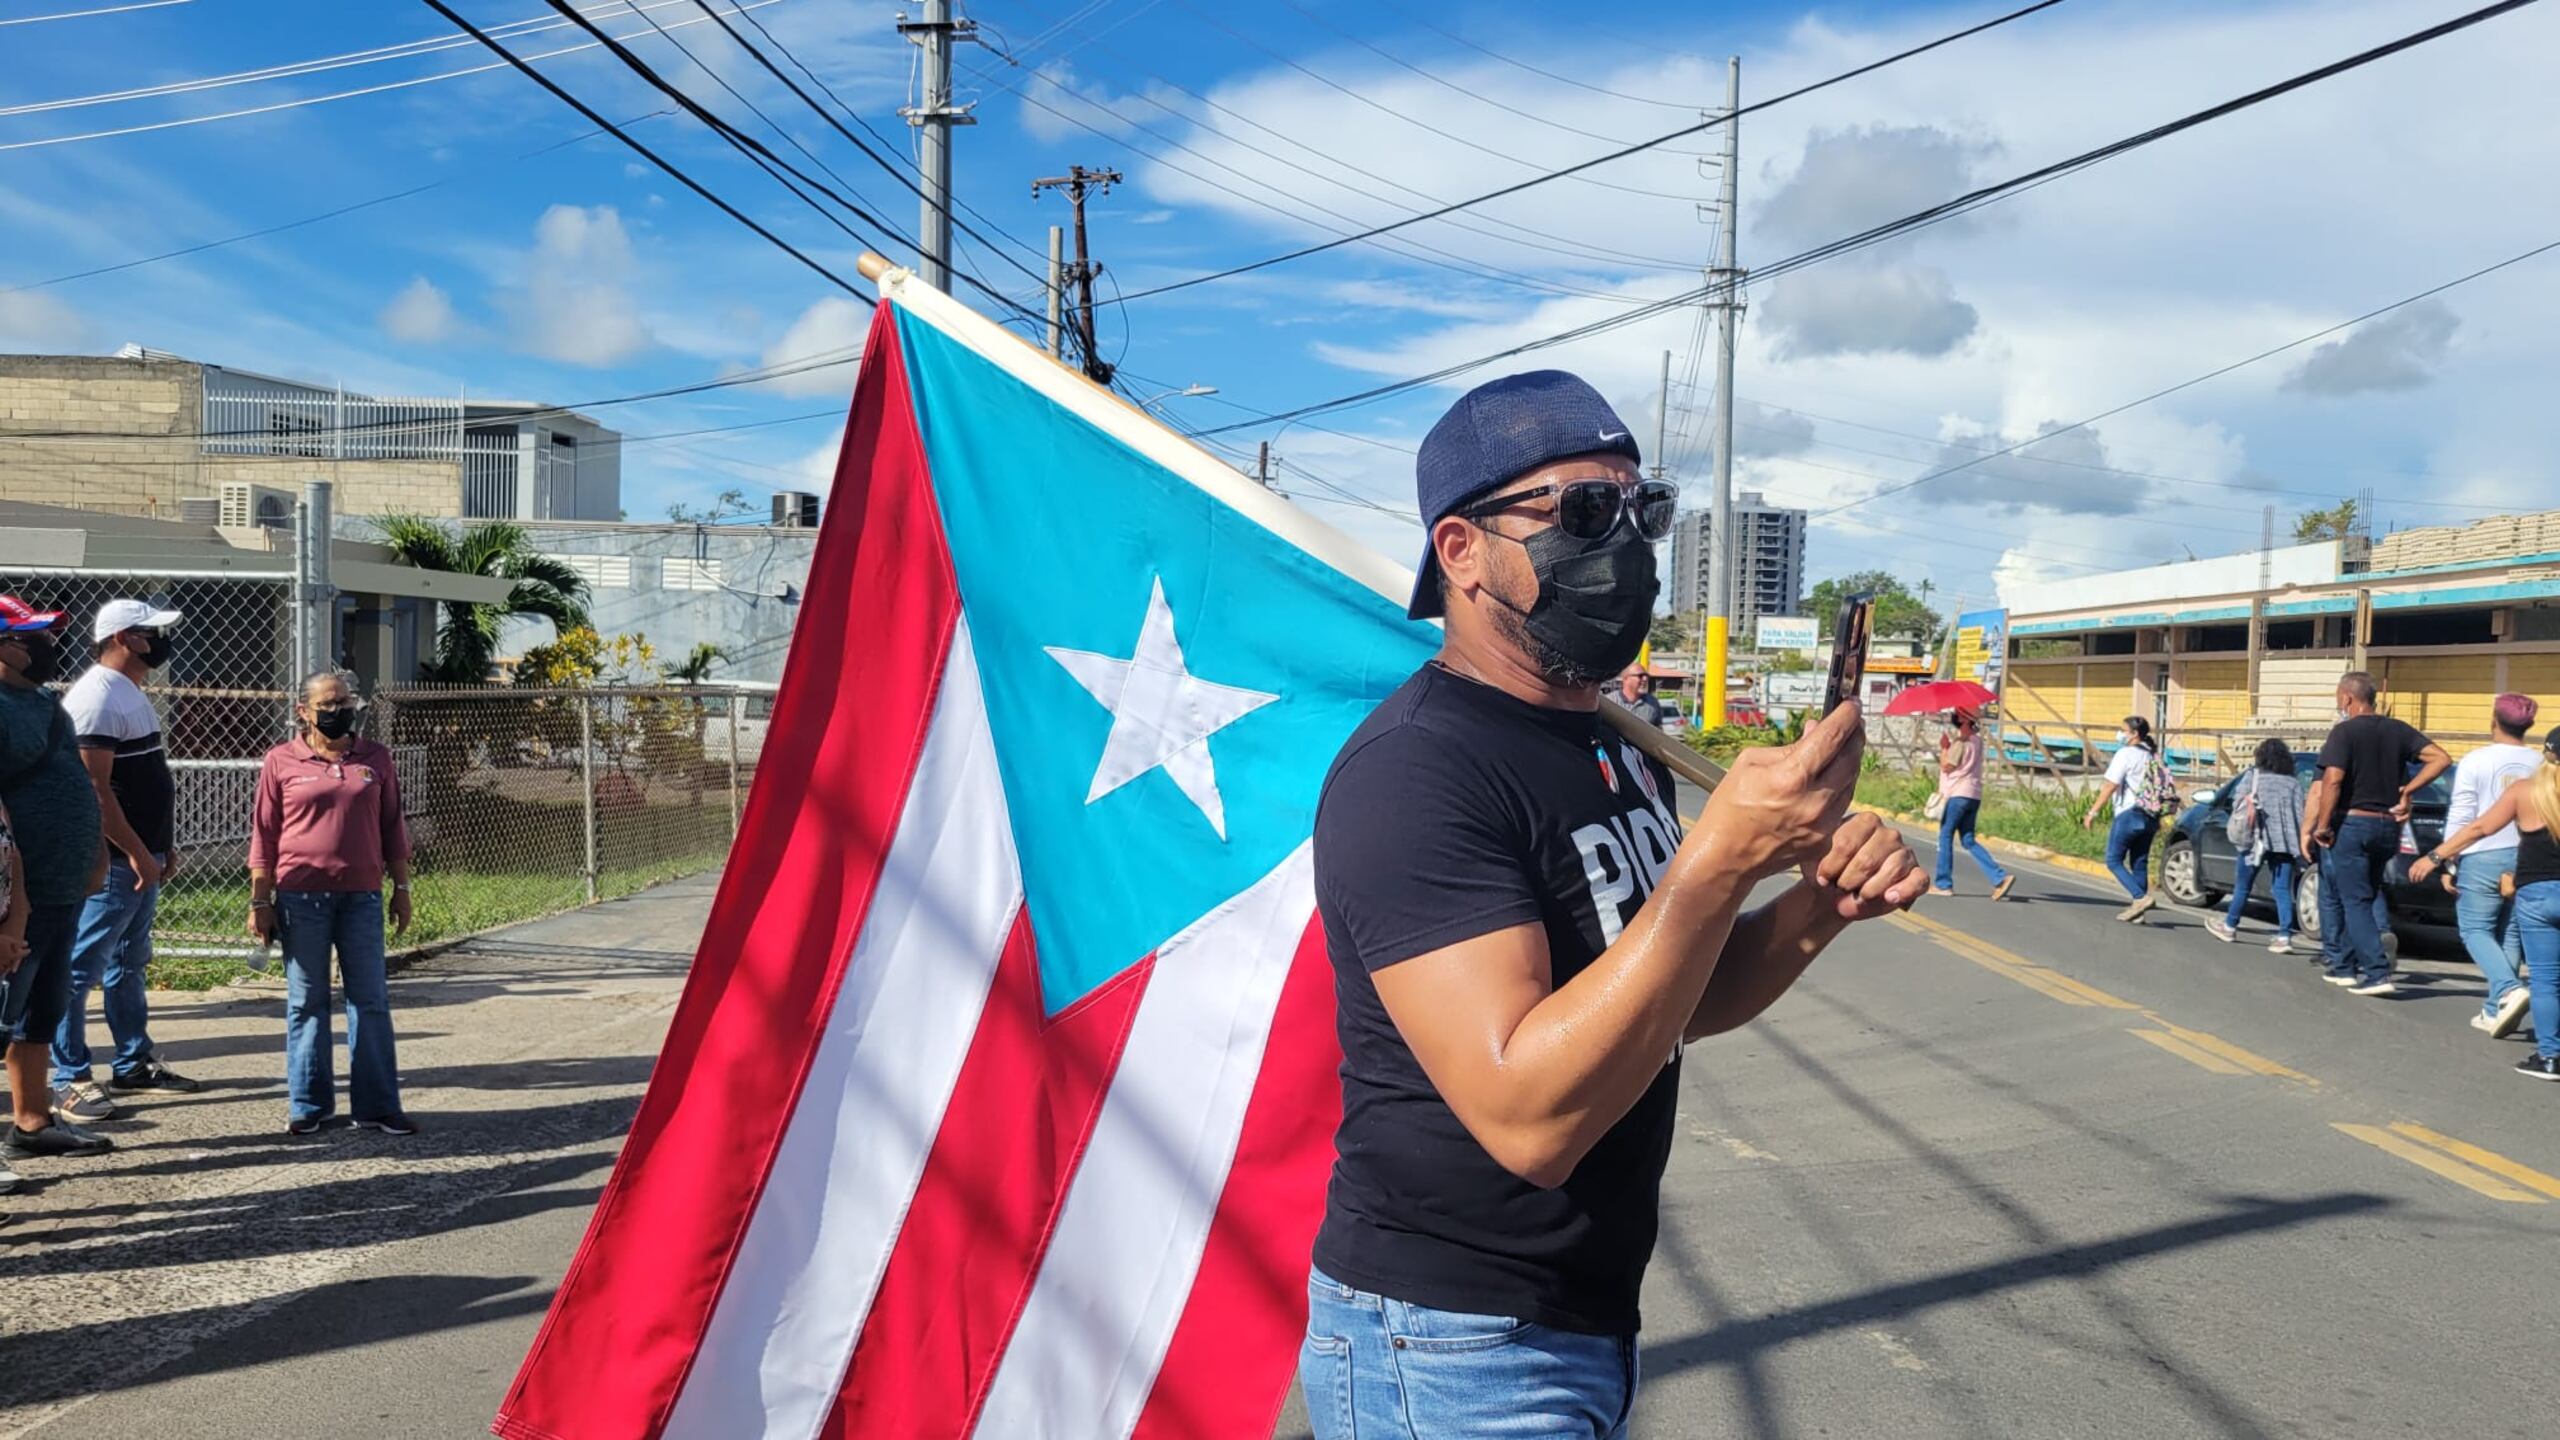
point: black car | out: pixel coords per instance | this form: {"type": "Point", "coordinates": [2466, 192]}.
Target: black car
{"type": "Point", "coordinates": [2198, 863]}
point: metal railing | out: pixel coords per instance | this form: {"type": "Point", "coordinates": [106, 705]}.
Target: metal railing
{"type": "Point", "coordinates": [253, 415]}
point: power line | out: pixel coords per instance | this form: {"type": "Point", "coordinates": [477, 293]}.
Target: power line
{"type": "Point", "coordinates": [1452, 35]}
{"type": "Point", "coordinates": [308, 100]}
{"type": "Point", "coordinates": [1972, 200]}
{"type": "Point", "coordinates": [1619, 154]}
{"type": "Point", "coordinates": [2215, 374]}
{"type": "Point", "coordinates": [104, 10]}
{"type": "Point", "coordinates": [652, 156]}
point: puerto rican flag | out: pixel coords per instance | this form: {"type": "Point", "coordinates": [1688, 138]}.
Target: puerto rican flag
{"type": "Point", "coordinates": [1000, 1100]}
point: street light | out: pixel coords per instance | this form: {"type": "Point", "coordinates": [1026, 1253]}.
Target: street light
{"type": "Point", "coordinates": [1187, 392]}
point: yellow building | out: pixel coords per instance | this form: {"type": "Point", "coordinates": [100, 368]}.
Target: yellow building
{"type": "Point", "coordinates": [2212, 649]}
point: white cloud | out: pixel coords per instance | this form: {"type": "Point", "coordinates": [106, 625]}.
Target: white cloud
{"type": "Point", "coordinates": [1059, 104]}
{"type": "Point", "coordinates": [817, 469]}
{"type": "Point", "coordinates": [420, 314]}
{"type": "Point", "coordinates": [1151, 217]}
{"type": "Point", "coordinates": [1854, 309]}
{"type": "Point", "coordinates": [831, 325]}
{"type": "Point", "coordinates": [576, 304]}
{"type": "Point", "coordinates": [36, 323]}
{"type": "Point", "coordinates": [2398, 351]}
{"type": "Point", "coordinates": [1849, 180]}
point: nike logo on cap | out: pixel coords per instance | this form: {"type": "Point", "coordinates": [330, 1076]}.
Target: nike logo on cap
{"type": "Point", "coordinates": [1612, 437]}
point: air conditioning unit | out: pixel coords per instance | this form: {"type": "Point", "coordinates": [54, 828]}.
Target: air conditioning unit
{"type": "Point", "coordinates": [795, 509]}
{"type": "Point", "coordinates": [200, 509]}
{"type": "Point", "coordinates": [255, 507]}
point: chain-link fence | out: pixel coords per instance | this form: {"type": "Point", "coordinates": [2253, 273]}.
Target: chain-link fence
{"type": "Point", "coordinates": [510, 815]}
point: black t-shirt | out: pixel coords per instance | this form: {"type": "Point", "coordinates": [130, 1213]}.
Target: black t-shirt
{"type": "Point", "coordinates": [1455, 811]}
{"type": "Point", "coordinates": [2376, 751]}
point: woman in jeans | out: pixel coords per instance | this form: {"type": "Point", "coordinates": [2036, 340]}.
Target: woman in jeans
{"type": "Point", "coordinates": [2481, 909]}
{"type": "Point", "coordinates": [324, 833]}
{"type": "Point", "coordinates": [2272, 799]}
{"type": "Point", "coordinates": [2130, 782]}
{"type": "Point", "coordinates": [1960, 757]}
{"type": "Point", "coordinates": [2532, 805]}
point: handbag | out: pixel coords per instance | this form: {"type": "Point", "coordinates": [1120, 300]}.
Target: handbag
{"type": "Point", "coordinates": [1937, 806]}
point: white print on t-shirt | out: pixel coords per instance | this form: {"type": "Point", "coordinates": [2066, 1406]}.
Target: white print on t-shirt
{"type": "Point", "coordinates": [1623, 860]}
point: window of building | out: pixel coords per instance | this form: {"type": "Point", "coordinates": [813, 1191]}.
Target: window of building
{"type": "Point", "coordinates": [2432, 627]}
{"type": "Point", "coordinates": [2113, 642]}
{"type": "Point", "coordinates": [2293, 634]}
{"type": "Point", "coordinates": [601, 572]}
{"type": "Point", "coordinates": [685, 574]}
{"type": "Point", "coordinates": [2217, 637]}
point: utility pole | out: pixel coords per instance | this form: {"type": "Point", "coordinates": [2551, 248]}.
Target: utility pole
{"type": "Point", "coordinates": [1662, 424]}
{"type": "Point", "coordinates": [2258, 606]}
{"type": "Point", "coordinates": [1725, 293]}
{"type": "Point", "coordinates": [1262, 465]}
{"type": "Point", "coordinates": [1079, 182]}
{"type": "Point", "coordinates": [1057, 267]}
{"type": "Point", "coordinates": [937, 32]}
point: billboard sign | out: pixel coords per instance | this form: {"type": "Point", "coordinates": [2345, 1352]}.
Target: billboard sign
{"type": "Point", "coordinates": [1787, 632]}
{"type": "Point", "coordinates": [1982, 647]}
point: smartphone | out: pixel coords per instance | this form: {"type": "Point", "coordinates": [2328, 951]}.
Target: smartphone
{"type": "Point", "coordinates": [1850, 628]}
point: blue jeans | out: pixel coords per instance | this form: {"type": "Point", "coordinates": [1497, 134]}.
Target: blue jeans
{"type": "Point", "coordinates": [1380, 1369]}
{"type": "Point", "coordinates": [2129, 850]}
{"type": "Point", "coordinates": [111, 951]}
{"type": "Point", "coordinates": [2488, 924]}
{"type": "Point", "coordinates": [2282, 871]}
{"type": "Point", "coordinates": [314, 922]}
{"type": "Point", "coordinates": [2357, 861]}
{"type": "Point", "coordinates": [2538, 921]}
{"type": "Point", "coordinates": [1956, 823]}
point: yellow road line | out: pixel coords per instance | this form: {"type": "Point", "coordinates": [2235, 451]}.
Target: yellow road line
{"type": "Point", "coordinates": [2467, 1176]}
{"type": "Point", "coordinates": [2018, 967]}
{"type": "Point", "coordinates": [2255, 1064]}
{"type": "Point", "coordinates": [2192, 1054]}
{"type": "Point", "coordinates": [2524, 1175]}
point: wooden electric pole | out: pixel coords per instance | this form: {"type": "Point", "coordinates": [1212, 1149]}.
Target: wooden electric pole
{"type": "Point", "coordinates": [1079, 182]}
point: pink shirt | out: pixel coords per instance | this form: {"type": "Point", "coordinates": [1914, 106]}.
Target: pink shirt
{"type": "Point", "coordinates": [1960, 768]}
{"type": "Point", "coordinates": [327, 824]}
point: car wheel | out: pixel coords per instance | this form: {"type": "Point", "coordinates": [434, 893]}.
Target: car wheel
{"type": "Point", "coordinates": [2182, 875]}
{"type": "Point", "coordinates": [2306, 905]}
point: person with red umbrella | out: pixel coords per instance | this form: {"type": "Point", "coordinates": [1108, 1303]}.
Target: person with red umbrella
{"type": "Point", "coordinates": [1960, 760]}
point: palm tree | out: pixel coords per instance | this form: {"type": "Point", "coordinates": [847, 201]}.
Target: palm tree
{"type": "Point", "coordinates": [467, 642]}
{"type": "Point", "coordinates": [695, 668]}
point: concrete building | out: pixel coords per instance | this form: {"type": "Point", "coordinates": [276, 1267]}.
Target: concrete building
{"type": "Point", "coordinates": [2175, 642]}
{"type": "Point", "coordinates": [1768, 562]}
{"type": "Point", "coordinates": [151, 434]}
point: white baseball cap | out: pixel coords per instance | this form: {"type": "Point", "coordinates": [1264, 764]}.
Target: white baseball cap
{"type": "Point", "coordinates": [120, 615]}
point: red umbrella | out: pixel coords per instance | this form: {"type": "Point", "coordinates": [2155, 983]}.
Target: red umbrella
{"type": "Point", "coordinates": [1939, 695]}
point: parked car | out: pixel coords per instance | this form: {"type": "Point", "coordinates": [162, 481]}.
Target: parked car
{"type": "Point", "coordinates": [2198, 862]}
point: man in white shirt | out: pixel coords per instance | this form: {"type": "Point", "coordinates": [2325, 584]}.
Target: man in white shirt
{"type": "Point", "coordinates": [2485, 917]}
{"type": "Point", "coordinates": [129, 768]}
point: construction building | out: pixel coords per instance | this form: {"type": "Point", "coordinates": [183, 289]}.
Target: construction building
{"type": "Point", "coordinates": [2447, 618]}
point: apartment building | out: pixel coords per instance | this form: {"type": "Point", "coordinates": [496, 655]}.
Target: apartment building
{"type": "Point", "coordinates": [1768, 561]}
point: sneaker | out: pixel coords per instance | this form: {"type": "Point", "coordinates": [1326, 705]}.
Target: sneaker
{"type": "Point", "coordinates": [82, 1102]}
{"type": "Point", "coordinates": [2482, 1023]}
{"type": "Point", "coordinates": [152, 1075]}
{"type": "Point", "coordinates": [2511, 1013]}
{"type": "Point", "coordinates": [2281, 945]}
{"type": "Point", "coordinates": [2539, 1067]}
{"type": "Point", "coordinates": [2220, 929]}
{"type": "Point", "coordinates": [2001, 890]}
{"type": "Point", "coordinates": [9, 1180]}
{"type": "Point", "coordinates": [2339, 979]}
{"type": "Point", "coordinates": [59, 1138]}
{"type": "Point", "coordinates": [1942, 892]}
{"type": "Point", "coordinates": [2382, 986]}
{"type": "Point", "coordinates": [305, 1124]}
{"type": "Point", "coordinates": [394, 1123]}
{"type": "Point", "coordinates": [2137, 909]}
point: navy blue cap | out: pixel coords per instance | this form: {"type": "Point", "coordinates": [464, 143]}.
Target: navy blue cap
{"type": "Point", "coordinates": [1496, 433]}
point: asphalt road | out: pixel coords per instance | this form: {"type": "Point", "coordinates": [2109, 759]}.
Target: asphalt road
{"type": "Point", "coordinates": [2001, 1170]}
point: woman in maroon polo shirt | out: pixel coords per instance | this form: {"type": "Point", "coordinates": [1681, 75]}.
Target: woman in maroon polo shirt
{"type": "Point", "coordinates": [324, 833]}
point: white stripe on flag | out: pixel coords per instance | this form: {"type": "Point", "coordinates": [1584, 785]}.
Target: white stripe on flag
{"type": "Point", "coordinates": [775, 1353]}
{"type": "Point", "coordinates": [1135, 1221]}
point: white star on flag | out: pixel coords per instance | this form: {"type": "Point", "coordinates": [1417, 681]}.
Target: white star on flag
{"type": "Point", "coordinates": [1161, 715]}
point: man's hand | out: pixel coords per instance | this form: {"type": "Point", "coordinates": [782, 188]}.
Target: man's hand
{"type": "Point", "coordinates": [13, 949]}
{"type": "Point", "coordinates": [400, 912]}
{"type": "Point", "coordinates": [2400, 808]}
{"type": "Point", "coordinates": [1869, 870]}
{"type": "Point", "coordinates": [262, 923]}
{"type": "Point", "coordinates": [147, 870]}
{"type": "Point", "coordinates": [1779, 805]}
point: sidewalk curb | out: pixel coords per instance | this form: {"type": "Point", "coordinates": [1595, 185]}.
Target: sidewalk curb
{"type": "Point", "coordinates": [2006, 847]}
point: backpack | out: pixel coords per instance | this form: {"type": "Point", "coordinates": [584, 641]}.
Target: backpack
{"type": "Point", "coordinates": [2154, 793]}
{"type": "Point", "coordinates": [2242, 827]}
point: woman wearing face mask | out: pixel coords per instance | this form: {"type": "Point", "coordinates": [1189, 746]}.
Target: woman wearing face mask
{"type": "Point", "coordinates": [2532, 806]}
{"type": "Point", "coordinates": [2139, 784]}
{"type": "Point", "coordinates": [325, 833]}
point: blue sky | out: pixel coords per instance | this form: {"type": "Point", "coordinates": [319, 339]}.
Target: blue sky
{"type": "Point", "coordinates": [1244, 130]}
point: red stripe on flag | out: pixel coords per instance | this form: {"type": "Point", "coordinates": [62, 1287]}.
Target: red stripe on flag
{"type": "Point", "coordinates": [849, 723]}
{"type": "Point", "coordinates": [1017, 1125]}
{"type": "Point", "coordinates": [1227, 1370]}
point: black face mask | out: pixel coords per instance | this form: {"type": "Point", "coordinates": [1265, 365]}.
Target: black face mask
{"type": "Point", "coordinates": [44, 659]}
{"type": "Point", "coordinates": [336, 724]}
{"type": "Point", "coordinates": [1594, 606]}
{"type": "Point", "coordinates": [156, 655]}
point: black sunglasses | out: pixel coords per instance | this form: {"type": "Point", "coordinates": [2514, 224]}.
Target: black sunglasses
{"type": "Point", "coordinates": [1591, 509]}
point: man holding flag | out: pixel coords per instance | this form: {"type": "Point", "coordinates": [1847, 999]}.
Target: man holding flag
{"type": "Point", "coordinates": [1522, 941]}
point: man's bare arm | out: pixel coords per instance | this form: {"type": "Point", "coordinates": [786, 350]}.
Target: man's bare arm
{"type": "Point", "coordinates": [1869, 871]}
{"type": "Point", "coordinates": [1539, 1072]}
